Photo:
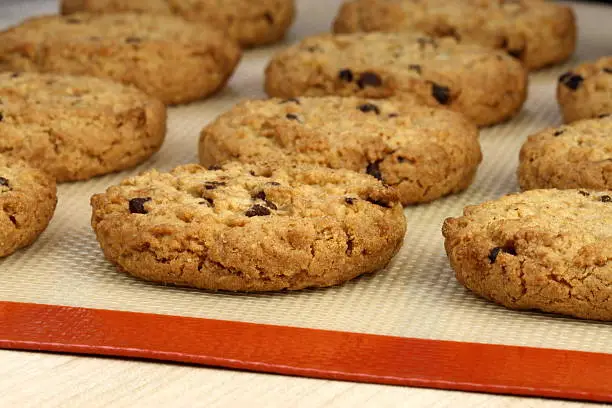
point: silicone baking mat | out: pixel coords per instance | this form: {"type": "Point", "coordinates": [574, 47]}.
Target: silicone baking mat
{"type": "Point", "coordinates": [399, 315]}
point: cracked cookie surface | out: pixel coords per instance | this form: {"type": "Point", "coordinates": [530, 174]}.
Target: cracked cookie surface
{"type": "Point", "coordinates": [539, 33]}
{"type": "Point", "coordinates": [247, 22]}
{"type": "Point", "coordinates": [240, 227]}
{"type": "Point", "coordinates": [424, 152]}
{"type": "Point", "coordinates": [486, 85]}
{"type": "Point", "coordinates": [27, 202]}
{"type": "Point", "coordinates": [549, 250]}
{"type": "Point", "coordinates": [75, 128]}
{"type": "Point", "coordinates": [586, 91]}
{"type": "Point", "coordinates": [577, 155]}
{"type": "Point", "coordinates": [165, 56]}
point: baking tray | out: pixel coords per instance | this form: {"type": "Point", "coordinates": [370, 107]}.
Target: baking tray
{"type": "Point", "coordinates": [411, 324]}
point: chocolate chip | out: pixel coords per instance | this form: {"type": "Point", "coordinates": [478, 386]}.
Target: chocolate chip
{"type": "Point", "coordinates": [603, 115]}
{"type": "Point", "coordinates": [349, 200]}
{"type": "Point", "coordinates": [133, 40]}
{"type": "Point", "coordinates": [4, 182]}
{"type": "Point", "coordinates": [369, 79]}
{"type": "Point", "coordinates": [607, 70]}
{"type": "Point", "coordinates": [349, 247]}
{"type": "Point", "coordinates": [346, 75]}
{"type": "Point", "coordinates": [393, 115]}
{"type": "Point", "coordinates": [517, 53]}
{"type": "Point", "coordinates": [373, 170]}
{"type": "Point", "coordinates": [415, 67]}
{"type": "Point", "coordinates": [447, 31]}
{"type": "Point", "coordinates": [495, 251]}
{"type": "Point", "coordinates": [558, 132]}
{"type": "Point", "coordinates": [269, 18]}
{"type": "Point", "coordinates": [402, 159]}
{"type": "Point", "coordinates": [260, 195]}
{"type": "Point", "coordinates": [208, 201]}
{"type": "Point", "coordinates": [584, 193]}
{"type": "Point", "coordinates": [211, 185]}
{"type": "Point", "coordinates": [137, 205]}
{"type": "Point", "coordinates": [369, 107]}
{"type": "Point", "coordinates": [571, 80]}
{"type": "Point", "coordinates": [257, 211]}
{"type": "Point", "coordinates": [291, 116]}
{"type": "Point", "coordinates": [424, 41]}
{"type": "Point", "coordinates": [294, 100]}
{"type": "Point", "coordinates": [15, 75]}
{"type": "Point", "coordinates": [214, 167]}
{"type": "Point", "coordinates": [441, 93]}
{"type": "Point", "coordinates": [605, 198]}
{"type": "Point", "coordinates": [1, 117]}
{"type": "Point", "coordinates": [380, 203]}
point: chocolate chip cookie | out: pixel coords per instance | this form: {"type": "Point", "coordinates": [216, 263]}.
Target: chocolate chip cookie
{"type": "Point", "coordinates": [549, 250]}
{"type": "Point", "coordinates": [249, 228]}
{"type": "Point", "coordinates": [488, 86]}
{"type": "Point", "coordinates": [424, 152]}
{"type": "Point", "coordinates": [247, 22]}
{"type": "Point", "coordinates": [75, 128]}
{"type": "Point", "coordinates": [165, 56]}
{"type": "Point", "coordinates": [586, 91]}
{"type": "Point", "coordinates": [578, 155]}
{"type": "Point", "coordinates": [27, 203]}
{"type": "Point", "coordinates": [539, 33]}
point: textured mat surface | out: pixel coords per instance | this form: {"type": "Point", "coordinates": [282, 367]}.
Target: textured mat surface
{"type": "Point", "coordinates": [417, 296]}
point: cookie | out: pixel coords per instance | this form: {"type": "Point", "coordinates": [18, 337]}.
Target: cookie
{"type": "Point", "coordinates": [539, 33]}
{"type": "Point", "coordinates": [76, 128]}
{"type": "Point", "coordinates": [424, 152]}
{"type": "Point", "coordinates": [578, 155]}
{"type": "Point", "coordinates": [488, 86]}
{"type": "Point", "coordinates": [27, 202]}
{"type": "Point", "coordinates": [549, 250]}
{"type": "Point", "coordinates": [246, 22]}
{"type": "Point", "coordinates": [165, 56]}
{"type": "Point", "coordinates": [249, 228]}
{"type": "Point", "coordinates": [586, 91]}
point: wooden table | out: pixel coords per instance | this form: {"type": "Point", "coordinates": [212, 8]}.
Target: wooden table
{"type": "Point", "coordinates": [52, 380]}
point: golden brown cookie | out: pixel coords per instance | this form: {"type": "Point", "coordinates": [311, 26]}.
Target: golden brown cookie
{"type": "Point", "coordinates": [578, 155]}
{"type": "Point", "coordinates": [539, 33]}
{"type": "Point", "coordinates": [165, 56]}
{"type": "Point", "coordinates": [249, 228]}
{"type": "Point", "coordinates": [75, 128]}
{"type": "Point", "coordinates": [586, 91]}
{"type": "Point", "coordinates": [549, 250]}
{"type": "Point", "coordinates": [424, 152]}
{"type": "Point", "coordinates": [27, 203]}
{"type": "Point", "coordinates": [247, 22]}
{"type": "Point", "coordinates": [487, 86]}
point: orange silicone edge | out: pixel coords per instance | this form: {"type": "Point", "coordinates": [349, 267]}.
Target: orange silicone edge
{"type": "Point", "coordinates": [309, 352]}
